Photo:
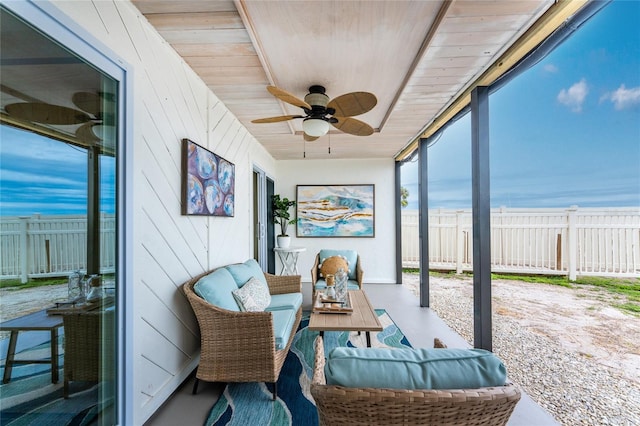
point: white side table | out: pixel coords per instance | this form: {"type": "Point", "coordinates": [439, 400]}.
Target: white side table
{"type": "Point", "coordinates": [289, 258]}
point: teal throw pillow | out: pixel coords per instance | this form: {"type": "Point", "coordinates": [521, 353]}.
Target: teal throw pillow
{"type": "Point", "coordinates": [414, 368]}
{"type": "Point", "coordinates": [216, 289]}
{"type": "Point", "coordinates": [242, 272]}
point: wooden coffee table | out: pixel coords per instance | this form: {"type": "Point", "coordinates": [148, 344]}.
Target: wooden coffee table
{"type": "Point", "coordinates": [363, 318]}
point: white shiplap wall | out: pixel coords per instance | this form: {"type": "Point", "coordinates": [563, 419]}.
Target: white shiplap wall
{"type": "Point", "coordinates": [170, 103]}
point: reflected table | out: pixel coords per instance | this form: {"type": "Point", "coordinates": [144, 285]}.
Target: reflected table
{"type": "Point", "coordinates": [37, 321]}
{"type": "Point", "coordinates": [289, 258]}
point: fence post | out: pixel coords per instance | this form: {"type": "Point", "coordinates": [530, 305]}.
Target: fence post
{"type": "Point", "coordinates": [459, 241]}
{"type": "Point", "coordinates": [24, 264]}
{"type": "Point", "coordinates": [572, 243]}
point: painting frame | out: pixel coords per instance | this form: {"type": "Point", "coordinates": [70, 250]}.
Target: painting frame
{"type": "Point", "coordinates": [335, 211]}
{"type": "Point", "coordinates": [208, 182]}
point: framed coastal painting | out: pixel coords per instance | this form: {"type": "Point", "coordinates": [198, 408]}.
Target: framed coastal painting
{"type": "Point", "coordinates": [335, 210]}
{"type": "Point", "coordinates": [208, 182]}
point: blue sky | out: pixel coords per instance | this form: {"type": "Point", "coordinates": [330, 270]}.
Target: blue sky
{"type": "Point", "coordinates": [42, 176]}
{"type": "Point", "coordinates": [565, 132]}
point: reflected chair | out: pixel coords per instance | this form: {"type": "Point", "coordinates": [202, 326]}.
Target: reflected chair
{"type": "Point", "coordinates": [89, 347]}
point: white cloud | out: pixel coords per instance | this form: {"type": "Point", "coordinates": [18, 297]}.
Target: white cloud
{"type": "Point", "coordinates": [41, 179]}
{"type": "Point", "coordinates": [574, 96]}
{"type": "Point", "coordinates": [622, 97]}
{"type": "Point", "coordinates": [551, 68]}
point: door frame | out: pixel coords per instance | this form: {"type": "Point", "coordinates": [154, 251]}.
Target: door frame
{"type": "Point", "coordinates": [52, 22]}
{"type": "Point", "coordinates": [263, 234]}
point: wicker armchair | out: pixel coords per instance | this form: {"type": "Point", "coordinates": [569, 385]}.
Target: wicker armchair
{"type": "Point", "coordinates": [315, 274]}
{"type": "Point", "coordinates": [89, 347]}
{"type": "Point", "coordinates": [240, 346]}
{"type": "Point", "coordinates": [356, 406]}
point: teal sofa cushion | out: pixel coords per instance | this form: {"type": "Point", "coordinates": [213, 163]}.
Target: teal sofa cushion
{"type": "Point", "coordinates": [216, 289]}
{"type": "Point", "coordinates": [283, 321]}
{"type": "Point", "coordinates": [242, 272]}
{"type": "Point", "coordinates": [291, 301]}
{"type": "Point", "coordinates": [414, 368]}
{"type": "Point", "coordinates": [351, 257]}
{"type": "Point", "coordinates": [321, 284]}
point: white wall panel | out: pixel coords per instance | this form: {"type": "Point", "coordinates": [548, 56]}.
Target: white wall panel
{"type": "Point", "coordinates": [170, 103]}
{"type": "Point", "coordinates": [165, 346]}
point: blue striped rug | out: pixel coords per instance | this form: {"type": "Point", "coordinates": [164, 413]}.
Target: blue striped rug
{"type": "Point", "coordinates": [250, 403]}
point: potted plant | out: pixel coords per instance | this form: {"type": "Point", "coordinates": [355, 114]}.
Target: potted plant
{"type": "Point", "coordinates": [282, 217]}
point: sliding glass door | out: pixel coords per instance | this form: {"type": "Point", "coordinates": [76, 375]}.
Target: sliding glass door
{"type": "Point", "coordinates": [59, 269]}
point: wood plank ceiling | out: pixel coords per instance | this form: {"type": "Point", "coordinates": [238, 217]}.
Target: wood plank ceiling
{"type": "Point", "coordinates": [417, 57]}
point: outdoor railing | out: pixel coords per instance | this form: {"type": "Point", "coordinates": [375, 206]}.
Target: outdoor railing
{"type": "Point", "coordinates": [572, 242]}
{"type": "Point", "coordinates": [50, 246]}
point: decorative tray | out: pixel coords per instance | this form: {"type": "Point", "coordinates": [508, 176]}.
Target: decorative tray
{"type": "Point", "coordinates": [331, 306]}
{"type": "Point", "coordinates": [77, 306]}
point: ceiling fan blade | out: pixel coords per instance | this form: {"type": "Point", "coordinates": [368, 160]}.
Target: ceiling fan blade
{"type": "Point", "coordinates": [46, 113]}
{"type": "Point", "coordinates": [310, 138]}
{"type": "Point", "coordinates": [354, 103]}
{"type": "Point", "coordinates": [87, 101]}
{"type": "Point", "coordinates": [353, 126]}
{"type": "Point", "coordinates": [287, 97]}
{"type": "Point", "coordinates": [85, 133]}
{"type": "Point", "coordinates": [276, 119]}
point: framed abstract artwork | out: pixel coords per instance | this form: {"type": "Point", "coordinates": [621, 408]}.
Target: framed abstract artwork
{"type": "Point", "coordinates": [335, 211]}
{"type": "Point", "coordinates": [208, 182]}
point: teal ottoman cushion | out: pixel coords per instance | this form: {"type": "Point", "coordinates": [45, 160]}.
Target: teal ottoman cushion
{"type": "Point", "coordinates": [216, 289]}
{"type": "Point", "coordinates": [242, 272]}
{"type": "Point", "coordinates": [321, 284]}
{"type": "Point", "coordinates": [414, 368]}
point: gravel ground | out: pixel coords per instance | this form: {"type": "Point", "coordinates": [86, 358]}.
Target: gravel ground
{"type": "Point", "coordinates": [574, 386]}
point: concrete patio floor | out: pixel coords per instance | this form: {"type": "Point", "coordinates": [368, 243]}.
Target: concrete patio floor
{"type": "Point", "coordinates": [420, 325]}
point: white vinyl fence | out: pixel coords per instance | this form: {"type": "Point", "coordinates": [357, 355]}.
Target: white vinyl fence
{"type": "Point", "coordinates": [574, 241]}
{"type": "Point", "coordinates": [52, 246]}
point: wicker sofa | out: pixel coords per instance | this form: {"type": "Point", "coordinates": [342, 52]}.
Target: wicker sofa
{"type": "Point", "coordinates": [239, 346]}
{"type": "Point", "coordinates": [377, 406]}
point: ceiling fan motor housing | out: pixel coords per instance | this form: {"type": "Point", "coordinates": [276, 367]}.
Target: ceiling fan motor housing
{"type": "Point", "coordinates": [317, 97]}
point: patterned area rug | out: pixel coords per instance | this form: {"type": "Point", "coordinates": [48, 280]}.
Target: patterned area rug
{"type": "Point", "coordinates": [250, 403]}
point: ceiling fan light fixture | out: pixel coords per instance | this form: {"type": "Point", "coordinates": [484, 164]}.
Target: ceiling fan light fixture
{"type": "Point", "coordinates": [104, 132]}
{"type": "Point", "coordinates": [315, 127]}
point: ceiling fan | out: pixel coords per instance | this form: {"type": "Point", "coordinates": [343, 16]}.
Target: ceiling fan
{"type": "Point", "coordinates": [90, 114]}
{"type": "Point", "coordinates": [320, 111]}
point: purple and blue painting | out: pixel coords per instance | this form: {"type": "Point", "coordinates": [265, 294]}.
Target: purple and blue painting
{"type": "Point", "coordinates": [208, 187]}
